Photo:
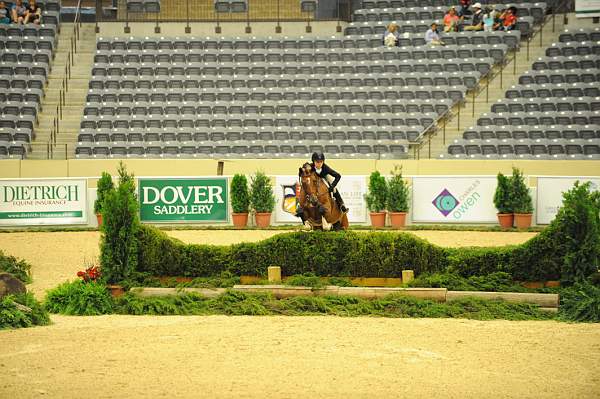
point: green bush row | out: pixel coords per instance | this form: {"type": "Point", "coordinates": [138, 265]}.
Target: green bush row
{"type": "Point", "coordinates": [580, 302]}
{"type": "Point", "coordinates": [321, 253]}
{"type": "Point", "coordinates": [240, 303]}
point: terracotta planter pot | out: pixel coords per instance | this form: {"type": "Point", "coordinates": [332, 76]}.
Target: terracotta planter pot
{"type": "Point", "coordinates": [116, 290]}
{"type": "Point", "coordinates": [99, 218]}
{"type": "Point", "coordinates": [506, 220]}
{"type": "Point", "coordinates": [523, 220]}
{"type": "Point", "coordinates": [263, 219]}
{"type": "Point", "coordinates": [240, 219]}
{"type": "Point", "coordinates": [398, 219]}
{"type": "Point", "coordinates": [377, 219]}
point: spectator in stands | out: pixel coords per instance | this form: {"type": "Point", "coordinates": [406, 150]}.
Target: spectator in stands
{"type": "Point", "coordinates": [4, 14]}
{"type": "Point", "coordinates": [489, 18]}
{"type": "Point", "coordinates": [34, 13]}
{"type": "Point", "coordinates": [19, 11]}
{"type": "Point", "coordinates": [508, 19]}
{"type": "Point", "coordinates": [451, 20]}
{"type": "Point", "coordinates": [463, 8]}
{"type": "Point", "coordinates": [477, 21]}
{"type": "Point", "coordinates": [432, 37]}
{"type": "Point", "coordinates": [391, 35]}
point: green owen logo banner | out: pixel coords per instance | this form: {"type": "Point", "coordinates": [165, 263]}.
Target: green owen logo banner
{"type": "Point", "coordinates": [183, 200]}
{"type": "Point", "coordinates": [43, 201]}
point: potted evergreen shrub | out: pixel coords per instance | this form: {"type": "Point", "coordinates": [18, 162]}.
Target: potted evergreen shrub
{"type": "Point", "coordinates": [503, 202]}
{"type": "Point", "coordinates": [397, 200]}
{"type": "Point", "coordinates": [240, 200]}
{"type": "Point", "coordinates": [105, 185]}
{"type": "Point", "coordinates": [376, 199]}
{"type": "Point", "coordinates": [261, 198]}
{"type": "Point", "coordinates": [521, 200]}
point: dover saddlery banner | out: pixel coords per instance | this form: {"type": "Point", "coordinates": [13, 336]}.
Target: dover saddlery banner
{"type": "Point", "coordinates": [352, 189]}
{"type": "Point", "coordinates": [452, 199]}
{"type": "Point", "coordinates": [43, 201]}
{"type": "Point", "coordinates": [180, 200]}
{"type": "Point", "coordinates": [587, 8]}
{"type": "Point", "coordinates": [549, 194]}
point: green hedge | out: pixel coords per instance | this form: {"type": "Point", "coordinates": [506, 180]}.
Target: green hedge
{"type": "Point", "coordinates": [321, 253]}
{"type": "Point", "coordinates": [567, 250]}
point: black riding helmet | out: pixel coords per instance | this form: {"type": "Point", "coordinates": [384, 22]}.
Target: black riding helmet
{"type": "Point", "coordinates": [318, 156]}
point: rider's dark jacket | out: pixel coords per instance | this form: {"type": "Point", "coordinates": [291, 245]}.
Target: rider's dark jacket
{"type": "Point", "coordinates": [327, 171]}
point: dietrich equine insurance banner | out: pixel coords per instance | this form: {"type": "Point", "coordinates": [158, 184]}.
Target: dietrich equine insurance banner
{"type": "Point", "coordinates": [32, 202]}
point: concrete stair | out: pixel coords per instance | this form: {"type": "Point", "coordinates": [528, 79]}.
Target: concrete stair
{"type": "Point", "coordinates": [74, 97]}
{"type": "Point", "coordinates": [473, 108]}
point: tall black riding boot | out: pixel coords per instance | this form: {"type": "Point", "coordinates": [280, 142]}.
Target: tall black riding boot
{"type": "Point", "coordinates": [340, 201]}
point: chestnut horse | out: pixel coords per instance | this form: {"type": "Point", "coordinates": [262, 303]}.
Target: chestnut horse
{"type": "Point", "coordinates": [320, 210]}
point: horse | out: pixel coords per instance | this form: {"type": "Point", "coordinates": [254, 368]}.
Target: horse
{"type": "Point", "coordinates": [321, 211]}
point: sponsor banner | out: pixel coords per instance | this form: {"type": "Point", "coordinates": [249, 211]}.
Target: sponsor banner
{"type": "Point", "coordinates": [183, 200]}
{"type": "Point", "coordinates": [549, 194]}
{"type": "Point", "coordinates": [587, 8]}
{"type": "Point", "coordinates": [451, 199]}
{"type": "Point", "coordinates": [352, 189]}
{"type": "Point", "coordinates": [43, 201]}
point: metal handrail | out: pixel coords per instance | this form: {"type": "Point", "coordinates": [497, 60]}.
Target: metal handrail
{"type": "Point", "coordinates": [64, 88]}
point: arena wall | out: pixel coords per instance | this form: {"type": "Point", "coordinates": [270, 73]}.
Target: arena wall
{"type": "Point", "coordinates": [192, 167]}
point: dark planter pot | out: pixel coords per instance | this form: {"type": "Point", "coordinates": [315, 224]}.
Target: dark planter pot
{"type": "Point", "coordinates": [263, 219]}
{"type": "Point", "coordinates": [377, 219]}
{"type": "Point", "coordinates": [523, 220]}
{"type": "Point", "coordinates": [116, 290]}
{"type": "Point", "coordinates": [398, 219]}
{"type": "Point", "coordinates": [99, 219]}
{"type": "Point", "coordinates": [240, 220]}
{"type": "Point", "coordinates": [506, 220]}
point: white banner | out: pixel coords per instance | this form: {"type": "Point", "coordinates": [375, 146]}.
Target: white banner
{"type": "Point", "coordinates": [43, 202]}
{"type": "Point", "coordinates": [451, 199]}
{"type": "Point", "coordinates": [549, 194]}
{"type": "Point", "coordinates": [587, 8]}
{"type": "Point", "coordinates": [352, 189]}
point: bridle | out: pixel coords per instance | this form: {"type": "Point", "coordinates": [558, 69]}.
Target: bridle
{"type": "Point", "coordinates": [316, 191]}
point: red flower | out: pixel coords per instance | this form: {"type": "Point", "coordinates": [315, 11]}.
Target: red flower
{"type": "Point", "coordinates": [92, 273]}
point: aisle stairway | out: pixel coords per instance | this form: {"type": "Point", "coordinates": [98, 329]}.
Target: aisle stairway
{"type": "Point", "coordinates": [75, 96]}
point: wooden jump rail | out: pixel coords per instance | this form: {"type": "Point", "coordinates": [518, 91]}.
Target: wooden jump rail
{"type": "Point", "coordinates": [548, 302]}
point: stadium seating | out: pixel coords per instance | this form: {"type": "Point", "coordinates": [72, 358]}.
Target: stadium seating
{"type": "Point", "coordinates": [436, 3]}
{"type": "Point", "coordinates": [192, 97]}
{"type": "Point", "coordinates": [533, 10]}
{"type": "Point", "coordinates": [26, 53]}
{"type": "Point", "coordinates": [554, 112]}
{"type": "Point", "coordinates": [273, 97]}
{"type": "Point", "coordinates": [143, 5]}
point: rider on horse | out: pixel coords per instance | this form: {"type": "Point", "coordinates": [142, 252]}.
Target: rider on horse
{"type": "Point", "coordinates": [329, 175]}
